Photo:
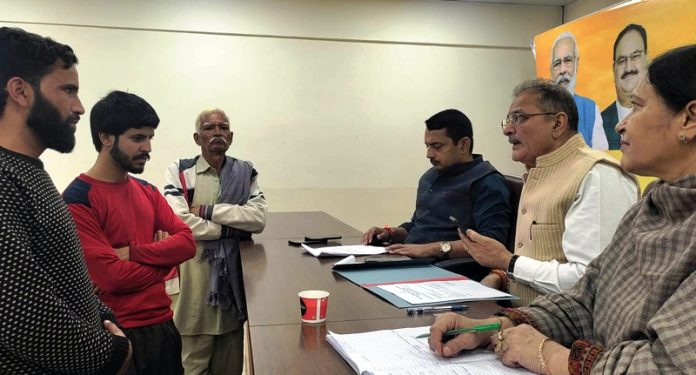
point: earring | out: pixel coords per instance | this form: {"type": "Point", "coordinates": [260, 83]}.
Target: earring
{"type": "Point", "coordinates": [682, 138]}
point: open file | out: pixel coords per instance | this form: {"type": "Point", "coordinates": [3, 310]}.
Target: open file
{"type": "Point", "coordinates": [398, 351]}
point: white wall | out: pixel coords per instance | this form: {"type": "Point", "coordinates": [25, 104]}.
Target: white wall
{"type": "Point", "coordinates": [582, 8]}
{"type": "Point", "coordinates": [326, 97]}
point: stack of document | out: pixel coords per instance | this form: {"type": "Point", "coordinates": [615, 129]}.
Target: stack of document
{"type": "Point", "coordinates": [400, 352]}
{"type": "Point", "coordinates": [344, 250]}
{"type": "Point", "coordinates": [443, 291]}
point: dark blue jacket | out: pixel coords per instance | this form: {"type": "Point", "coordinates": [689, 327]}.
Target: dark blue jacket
{"type": "Point", "coordinates": [473, 192]}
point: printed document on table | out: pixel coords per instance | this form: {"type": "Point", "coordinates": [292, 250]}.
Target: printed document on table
{"type": "Point", "coordinates": [344, 250]}
{"type": "Point", "coordinates": [398, 351]}
{"type": "Point", "coordinates": [433, 292]}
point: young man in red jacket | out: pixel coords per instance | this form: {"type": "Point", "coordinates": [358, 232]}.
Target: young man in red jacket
{"type": "Point", "coordinates": [130, 236]}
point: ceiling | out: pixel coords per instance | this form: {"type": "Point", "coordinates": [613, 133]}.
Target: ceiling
{"type": "Point", "coordinates": [556, 3]}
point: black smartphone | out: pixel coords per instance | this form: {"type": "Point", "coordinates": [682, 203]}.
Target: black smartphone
{"type": "Point", "coordinates": [307, 242]}
{"type": "Point", "coordinates": [458, 223]}
{"type": "Point", "coordinates": [322, 237]}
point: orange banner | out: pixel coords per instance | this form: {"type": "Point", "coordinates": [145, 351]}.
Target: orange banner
{"type": "Point", "coordinates": [607, 66]}
{"type": "Point", "coordinates": [668, 23]}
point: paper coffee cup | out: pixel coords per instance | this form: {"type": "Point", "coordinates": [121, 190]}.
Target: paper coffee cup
{"type": "Point", "coordinates": [313, 304]}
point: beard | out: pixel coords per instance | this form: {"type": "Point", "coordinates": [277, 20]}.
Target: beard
{"type": "Point", "coordinates": [127, 163]}
{"type": "Point", "coordinates": [45, 122]}
{"type": "Point", "coordinates": [571, 85]}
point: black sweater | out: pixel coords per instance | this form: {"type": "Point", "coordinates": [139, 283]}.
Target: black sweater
{"type": "Point", "coordinates": [50, 321]}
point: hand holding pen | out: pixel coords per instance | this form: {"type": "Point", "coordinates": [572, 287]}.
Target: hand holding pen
{"type": "Point", "coordinates": [458, 331]}
{"type": "Point", "coordinates": [443, 346]}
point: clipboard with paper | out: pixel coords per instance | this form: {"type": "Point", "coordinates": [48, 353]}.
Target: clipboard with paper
{"type": "Point", "coordinates": [421, 285]}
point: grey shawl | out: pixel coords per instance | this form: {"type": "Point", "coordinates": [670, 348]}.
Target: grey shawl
{"type": "Point", "coordinates": [636, 302]}
{"type": "Point", "coordinates": [226, 282]}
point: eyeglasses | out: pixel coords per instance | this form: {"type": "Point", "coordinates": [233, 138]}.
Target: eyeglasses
{"type": "Point", "coordinates": [516, 118]}
{"type": "Point", "coordinates": [633, 58]}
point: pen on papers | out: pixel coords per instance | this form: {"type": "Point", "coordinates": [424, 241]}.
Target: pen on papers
{"type": "Point", "coordinates": [454, 332]}
{"type": "Point", "coordinates": [434, 309]}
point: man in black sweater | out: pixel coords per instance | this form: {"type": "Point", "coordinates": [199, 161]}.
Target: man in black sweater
{"type": "Point", "coordinates": [50, 320]}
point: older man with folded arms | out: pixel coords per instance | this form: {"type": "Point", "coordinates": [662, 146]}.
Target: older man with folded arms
{"type": "Point", "coordinates": [219, 197]}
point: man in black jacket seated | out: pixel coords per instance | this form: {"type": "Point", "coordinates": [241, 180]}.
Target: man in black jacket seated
{"type": "Point", "coordinates": [460, 185]}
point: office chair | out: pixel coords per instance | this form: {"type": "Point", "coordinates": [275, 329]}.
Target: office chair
{"type": "Point", "coordinates": [468, 266]}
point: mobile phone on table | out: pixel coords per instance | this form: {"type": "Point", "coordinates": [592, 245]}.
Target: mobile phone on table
{"type": "Point", "coordinates": [322, 237]}
{"type": "Point", "coordinates": [307, 242]}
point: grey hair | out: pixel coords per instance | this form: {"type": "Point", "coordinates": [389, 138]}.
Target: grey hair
{"type": "Point", "coordinates": [561, 36]}
{"type": "Point", "coordinates": [551, 97]}
{"type": "Point", "coordinates": [205, 113]}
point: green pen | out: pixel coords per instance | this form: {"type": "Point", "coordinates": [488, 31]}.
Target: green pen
{"type": "Point", "coordinates": [454, 332]}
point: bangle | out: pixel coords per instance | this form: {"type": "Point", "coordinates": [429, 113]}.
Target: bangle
{"type": "Point", "coordinates": [540, 356]}
{"type": "Point", "coordinates": [516, 316]}
{"type": "Point", "coordinates": [490, 337]}
{"type": "Point", "coordinates": [503, 279]}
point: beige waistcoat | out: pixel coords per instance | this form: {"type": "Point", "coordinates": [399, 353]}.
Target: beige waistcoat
{"type": "Point", "coordinates": [548, 192]}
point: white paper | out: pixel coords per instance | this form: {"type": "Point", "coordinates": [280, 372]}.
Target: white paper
{"type": "Point", "coordinates": [433, 292]}
{"type": "Point", "coordinates": [344, 250]}
{"type": "Point", "coordinates": [398, 351]}
{"type": "Point", "coordinates": [347, 260]}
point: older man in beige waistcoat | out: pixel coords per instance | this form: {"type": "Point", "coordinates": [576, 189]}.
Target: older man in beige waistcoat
{"type": "Point", "coordinates": [571, 203]}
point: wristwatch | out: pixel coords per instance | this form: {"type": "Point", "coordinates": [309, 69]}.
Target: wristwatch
{"type": "Point", "coordinates": [511, 267]}
{"type": "Point", "coordinates": [445, 248]}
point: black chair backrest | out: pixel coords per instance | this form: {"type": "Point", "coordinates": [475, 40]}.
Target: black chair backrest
{"type": "Point", "coordinates": [514, 184]}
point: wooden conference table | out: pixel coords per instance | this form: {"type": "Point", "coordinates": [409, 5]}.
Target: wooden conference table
{"type": "Point", "coordinates": [275, 272]}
